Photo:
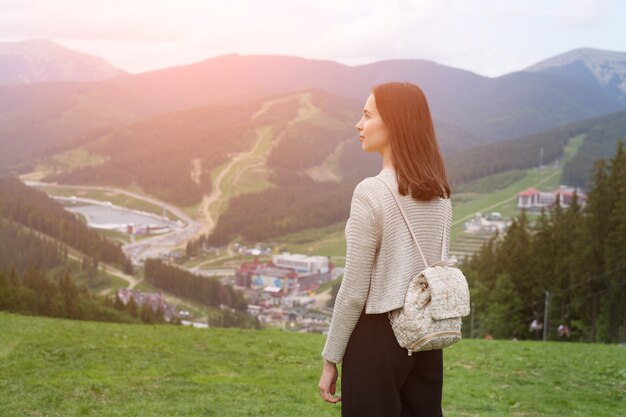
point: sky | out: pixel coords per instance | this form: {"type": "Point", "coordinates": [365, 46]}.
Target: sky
{"type": "Point", "coordinates": [488, 37]}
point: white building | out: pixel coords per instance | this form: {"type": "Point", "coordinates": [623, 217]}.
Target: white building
{"type": "Point", "coordinates": [301, 263]}
{"type": "Point", "coordinates": [489, 224]}
{"type": "Point", "coordinates": [534, 199]}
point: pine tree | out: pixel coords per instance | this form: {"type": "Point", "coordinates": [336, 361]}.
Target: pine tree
{"type": "Point", "coordinates": [543, 252]}
{"type": "Point", "coordinates": [146, 314]}
{"type": "Point", "coordinates": [132, 307]}
{"type": "Point", "coordinates": [70, 296]}
{"type": "Point", "coordinates": [513, 257]}
{"type": "Point", "coordinates": [615, 247]}
{"type": "Point", "coordinates": [590, 260]}
{"type": "Point", "coordinates": [504, 316]}
{"type": "Point", "coordinates": [159, 315]}
{"type": "Point", "coordinates": [567, 231]}
{"type": "Point", "coordinates": [118, 303]}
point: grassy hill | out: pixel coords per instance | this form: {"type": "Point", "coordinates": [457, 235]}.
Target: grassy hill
{"type": "Point", "coordinates": [56, 367]}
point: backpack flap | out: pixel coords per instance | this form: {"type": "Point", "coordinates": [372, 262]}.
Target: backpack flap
{"type": "Point", "coordinates": [449, 292]}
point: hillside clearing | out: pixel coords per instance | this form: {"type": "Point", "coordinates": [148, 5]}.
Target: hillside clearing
{"type": "Point", "coordinates": [56, 367]}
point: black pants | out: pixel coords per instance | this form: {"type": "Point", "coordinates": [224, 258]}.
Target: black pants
{"type": "Point", "coordinates": [379, 379]}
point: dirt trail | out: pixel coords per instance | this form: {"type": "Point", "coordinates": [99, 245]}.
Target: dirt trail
{"type": "Point", "coordinates": [304, 111]}
{"type": "Point", "coordinates": [216, 192]}
{"type": "Point", "coordinates": [196, 170]}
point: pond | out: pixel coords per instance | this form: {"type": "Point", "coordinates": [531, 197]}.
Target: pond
{"type": "Point", "coordinates": [111, 217]}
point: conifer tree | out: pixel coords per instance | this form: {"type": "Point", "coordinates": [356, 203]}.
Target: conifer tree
{"type": "Point", "coordinates": [513, 257]}
{"type": "Point", "coordinates": [70, 296]}
{"type": "Point", "coordinates": [589, 262]}
{"type": "Point", "coordinates": [615, 247]}
{"type": "Point", "coordinates": [146, 313]}
{"type": "Point", "coordinates": [505, 317]}
{"type": "Point", "coordinates": [132, 307]}
{"type": "Point", "coordinates": [542, 255]}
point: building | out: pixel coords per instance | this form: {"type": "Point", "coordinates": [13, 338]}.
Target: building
{"type": "Point", "coordinates": [286, 274]}
{"type": "Point", "coordinates": [491, 223]}
{"type": "Point", "coordinates": [533, 200]}
{"type": "Point", "coordinates": [301, 263]}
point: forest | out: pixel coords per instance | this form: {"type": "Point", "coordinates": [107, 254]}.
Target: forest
{"type": "Point", "coordinates": [598, 144]}
{"type": "Point", "coordinates": [570, 260]}
{"type": "Point", "coordinates": [207, 291]}
{"type": "Point", "coordinates": [34, 209]}
{"type": "Point", "coordinates": [35, 293]}
{"type": "Point", "coordinates": [37, 278]}
{"type": "Point", "coordinates": [156, 154]}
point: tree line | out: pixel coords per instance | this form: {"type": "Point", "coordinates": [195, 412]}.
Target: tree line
{"type": "Point", "coordinates": [34, 209]}
{"type": "Point", "coordinates": [278, 211]}
{"type": "Point", "coordinates": [21, 247]}
{"type": "Point", "coordinates": [570, 260]}
{"type": "Point", "coordinates": [207, 291]}
{"type": "Point", "coordinates": [599, 143]}
{"type": "Point", "coordinates": [37, 278]}
{"type": "Point", "coordinates": [34, 293]}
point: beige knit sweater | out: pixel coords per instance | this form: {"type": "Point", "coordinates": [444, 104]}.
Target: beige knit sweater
{"type": "Point", "coordinates": [381, 256]}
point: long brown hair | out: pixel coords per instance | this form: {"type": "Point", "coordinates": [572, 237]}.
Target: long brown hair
{"type": "Point", "coordinates": [416, 155]}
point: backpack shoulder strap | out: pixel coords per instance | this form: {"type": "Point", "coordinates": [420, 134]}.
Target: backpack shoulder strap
{"type": "Point", "coordinates": [444, 262]}
{"type": "Point", "coordinates": [406, 220]}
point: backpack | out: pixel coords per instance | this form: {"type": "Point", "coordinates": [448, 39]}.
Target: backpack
{"type": "Point", "coordinates": [435, 301]}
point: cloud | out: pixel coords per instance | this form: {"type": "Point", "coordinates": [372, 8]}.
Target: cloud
{"type": "Point", "coordinates": [486, 36]}
{"type": "Point", "coordinates": [582, 14]}
{"type": "Point", "coordinates": [90, 20]}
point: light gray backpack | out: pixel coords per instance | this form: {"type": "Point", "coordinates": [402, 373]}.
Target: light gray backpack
{"type": "Point", "coordinates": [435, 301]}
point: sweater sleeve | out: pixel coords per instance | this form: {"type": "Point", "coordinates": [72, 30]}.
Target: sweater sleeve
{"type": "Point", "coordinates": [362, 244]}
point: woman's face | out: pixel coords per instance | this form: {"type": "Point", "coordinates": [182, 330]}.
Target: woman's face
{"type": "Point", "coordinates": [373, 133]}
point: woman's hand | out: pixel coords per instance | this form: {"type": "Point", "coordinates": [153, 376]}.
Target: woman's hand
{"type": "Point", "coordinates": [328, 382]}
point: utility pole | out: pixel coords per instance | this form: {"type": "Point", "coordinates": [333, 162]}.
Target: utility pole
{"type": "Point", "coordinates": [541, 158]}
{"type": "Point", "coordinates": [545, 316]}
{"type": "Point", "coordinates": [472, 323]}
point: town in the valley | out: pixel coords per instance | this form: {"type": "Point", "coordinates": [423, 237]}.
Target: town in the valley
{"type": "Point", "coordinates": [284, 291]}
{"type": "Point", "coordinates": [281, 292]}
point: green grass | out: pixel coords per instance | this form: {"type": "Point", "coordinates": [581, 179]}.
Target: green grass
{"type": "Point", "coordinates": [251, 174]}
{"type": "Point", "coordinates": [77, 158]}
{"type": "Point", "coordinates": [56, 367]}
{"type": "Point", "coordinates": [323, 241]}
{"type": "Point", "coordinates": [114, 284]}
{"type": "Point", "coordinates": [492, 182]}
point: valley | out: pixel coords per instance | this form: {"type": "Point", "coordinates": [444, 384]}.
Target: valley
{"type": "Point", "coordinates": [174, 196]}
{"type": "Point", "coordinates": [245, 180]}
{"type": "Point", "coordinates": [244, 172]}
{"type": "Point", "coordinates": [229, 179]}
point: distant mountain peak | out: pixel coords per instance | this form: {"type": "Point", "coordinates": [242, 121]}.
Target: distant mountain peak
{"type": "Point", "coordinates": [607, 67]}
{"type": "Point", "coordinates": [40, 60]}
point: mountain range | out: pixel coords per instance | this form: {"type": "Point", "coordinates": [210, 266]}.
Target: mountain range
{"type": "Point", "coordinates": [590, 67]}
{"type": "Point", "coordinates": [153, 129]}
{"type": "Point", "coordinates": [40, 60]}
{"type": "Point", "coordinates": [468, 108]}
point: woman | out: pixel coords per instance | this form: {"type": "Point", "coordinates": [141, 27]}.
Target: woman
{"type": "Point", "coordinates": [378, 378]}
